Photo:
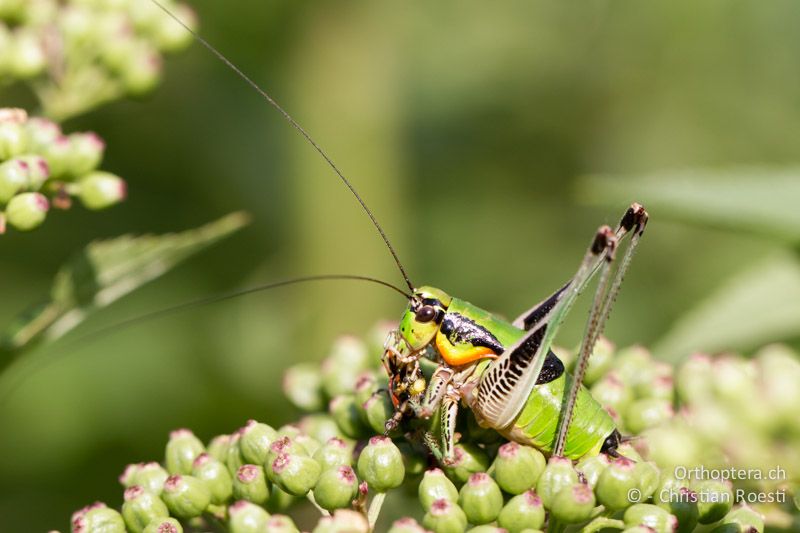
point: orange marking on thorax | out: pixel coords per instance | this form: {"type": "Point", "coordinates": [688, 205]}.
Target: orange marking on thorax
{"type": "Point", "coordinates": [456, 357]}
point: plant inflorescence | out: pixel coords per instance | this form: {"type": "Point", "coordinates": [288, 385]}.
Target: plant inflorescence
{"type": "Point", "coordinates": [79, 54]}
{"type": "Point", "coordinates": [40, 167]}
{"type": "Point", "coordinates": [708, 416]}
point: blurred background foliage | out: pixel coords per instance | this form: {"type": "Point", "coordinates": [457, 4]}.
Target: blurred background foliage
{"type": "Point", "coordinates": [490, 140]}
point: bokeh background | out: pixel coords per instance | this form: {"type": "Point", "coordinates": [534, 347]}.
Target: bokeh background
{"type": "Point", "coordinates": [469, 128]}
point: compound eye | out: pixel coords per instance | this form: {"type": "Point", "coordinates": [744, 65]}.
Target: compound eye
{"type": "Point", "coordinates": [426, 314]}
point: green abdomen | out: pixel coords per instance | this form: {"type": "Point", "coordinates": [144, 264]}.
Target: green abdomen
{"type": "Point", "coordinates": [538, 421]}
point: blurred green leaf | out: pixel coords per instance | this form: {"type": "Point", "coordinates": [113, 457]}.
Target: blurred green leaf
{"type": "Point", "coordinates": [757, 200]}
{"type": "Point", "coordinates": [755, 307]}
{"type": "Point", "coordinates": [107, 270]}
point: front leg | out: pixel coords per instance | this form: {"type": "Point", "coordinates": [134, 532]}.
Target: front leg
{"type": "Point", "coordinates": [435, 392]}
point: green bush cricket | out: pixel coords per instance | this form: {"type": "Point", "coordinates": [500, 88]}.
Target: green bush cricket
{"type": "Point", "coordinates": [504, 372]}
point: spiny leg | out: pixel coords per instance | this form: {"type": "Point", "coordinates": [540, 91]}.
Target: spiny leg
{"type": "Point", "coordinates": [435, 393]}
{"type": "Point", "coordinates": [507, 383]}
{"type": "Point", "coordinates": [435, 397]}
{"type": "Point", "coordinates": [448, 424]}
{"type": "Point", "coordinates": [634, 221]}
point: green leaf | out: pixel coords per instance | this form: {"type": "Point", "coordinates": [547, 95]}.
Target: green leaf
{"type": "Point", "coordinates": [107, 270]}
{"type": "Point", "coordinates": [757, 200]}
{"type": "Point", "coordinates": [755, 307]}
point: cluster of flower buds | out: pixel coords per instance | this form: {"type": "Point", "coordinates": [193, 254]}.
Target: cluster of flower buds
{"type": "Point", "coordinates": [337, 458]}
{"type": "Point", "coordinates": [79, 54]}
{"type": "Point", "coordinates": [41, 167]}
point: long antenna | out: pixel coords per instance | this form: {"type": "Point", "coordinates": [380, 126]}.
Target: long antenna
{"type": "Point", "coordinates": [38, 364]}
{"type": "Point", "coordinates": [235, 294]}
{"type": "Point", "coordinates": [299, 128]}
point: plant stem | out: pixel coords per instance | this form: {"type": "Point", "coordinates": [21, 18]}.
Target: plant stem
{"type": "Point", "coordinates": [375, 509]}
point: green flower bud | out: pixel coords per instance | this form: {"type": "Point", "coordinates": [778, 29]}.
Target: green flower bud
{"type": "Point", "coordinates": [674, 444]}
{"type": "Point", "coordinates": [343, 521]}
{"type": "Point", "coordinates": [648, 475]}
{"type": "Point", "coordinates": [612, 392]}
{"type": "Point", "coordinates": [218, 447]}
{"type": "Point", "coordinates": [320, 426]}
{"type": "Point", "coordinates": [340, 370]}
{"type": "Point", "coordinates": [486, 529]}
{"type": "Point", "coordinates": [481, 499]}
{"type": "Point", "coordinates": [41, 132]}
{"type": "Point", "coordinates": [86, 152]}
{"type": "Point", "coordinates": [289, 430]}
{"type": "Point", "coordinates": [58, 154]}
{"type": "Point", "coordinates": [150, 476]}
{"type": "Point", "coordinates": [347, 413]}
{"type": "Point", "coordinates": [436, 486]}
{"type": "Point", "coordinates": [250, 484]}
{"type": "Point", "coordinates": [182, 449]}
{"type": "Point", "coordinates": [13, 115]}
{"type": "Point", "coordinates": [141, 507]}
{"type": "Point", "coordinates": [467, 460]}
{"type": "Point", "coordinates": [37, 170]}
{"type": "Point", "coordinates": [351, 522]}
{"type": "Point", "coordinates": [406, 525]}
{"type": "Point", "coordinates": [97, 518]}
{"type": "Point", "coordinates": [302, 385]}
{"type": "Point", "coordinates": [659, 385]}
{"type": "Point", "coordinates": [366, 385]}
{"type": "Point", "coordinates": [233, 456]}
{"type": "Point", "coordinates": [334, 453]}
{"type": "Point", "coordinates": [517, 467]}
{"type": "Point", "coordinates": [99, 190]}
{"type": "Point", "coordinates": [141, 72]}
{"type": "Point", "coordinates": [444, 516]}
{"type": "Point", "coordinates": [13, 140]}
{"type": "Point", "coordinates": [310, 444]}
{"type": "Point", "coordinates": [601, 361]}
{"type": "Point", "coordinates": [591, 467]}
{"type": "Point", "coordinates": [27, 57]}
{"type": "Point", "coordinates": [618, 484]}
{"type": "Point", "coordinates": [216, 476]}
{"type": "Point", "coordinates": [246, 517]}
{"type": "Point", "coordinates": [169, 35]}
{"type": "Point", "coordinates": [254, 441]}
{"type": "Point", "coordinates": [647, 413]}
{"type": "Point", "coordinates": [639, 529]}
{"type": "Point", "coordinates": [522, 512]}
{"type": "Point", "coordinates": [633, 364]}
{"type": "Point", "coordinates": [627, 450]}
{"type": "Point", "coordinates": [284, 446]}
{"type": "Point", "coordinates": [680, 502]}
{"type": "Point", "coordinates": [185, 496]}
{"type": "Point", "coordinates": [279, 523]}
{"type": "Point", "coordinates": [652, 516]}
{"type": "Point", "coordinates": [573, 504]}
{"type": "Point", "coordinates": [746, 518]}
{"type": "Point", "coordinates": [557, 475]}
{"type": "Point", "coordinates": [714, 500]}
{"type": "Point", "coordinates": [336, 488]}
{"type": "Point", "coordinates": [13, 178]}
{"type": "Point", "coordinates": [377, 410]}
{"type": "Point", "coordinates": [167, 525]}
{"type": "Point", "coordinates": [27, 210]}
{"type": "Point", "coordinates": [693, 378]}
{"type": "Point", "coordinates": [296, 474]}
{"type": "Point", "coordinates": [381, 464]}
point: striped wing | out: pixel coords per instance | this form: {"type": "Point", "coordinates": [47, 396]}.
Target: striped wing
{"type": "Point", "coordinates": [506, 384]}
